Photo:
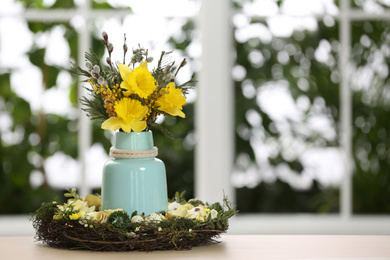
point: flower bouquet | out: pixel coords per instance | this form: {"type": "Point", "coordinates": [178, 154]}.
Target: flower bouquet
{"type": "Point", "coordinates": [128, 97]}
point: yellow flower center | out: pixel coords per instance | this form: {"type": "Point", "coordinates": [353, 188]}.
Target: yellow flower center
{"type": "Point", "coordinates": [131, 116]}
{"type": "Point", "coordinates": [139, 81]}
{"type": "Point", "coordinates": [129, 109]}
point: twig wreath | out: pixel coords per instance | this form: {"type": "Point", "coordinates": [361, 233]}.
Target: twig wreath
{"type": "Point", "coordinates": [79, 224]}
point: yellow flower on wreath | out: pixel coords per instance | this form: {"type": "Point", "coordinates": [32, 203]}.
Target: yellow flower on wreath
{"type": "Point", "coordinates": [76, 216]}
{"type": "Point", "coordinates": [131, 116]}
{"type": "Point", "coordinates": [139, 81]}
{"type": "Point", "coordinates": [172, 101]}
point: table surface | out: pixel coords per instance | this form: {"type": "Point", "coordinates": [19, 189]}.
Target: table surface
{"type": "Point", "coordinates": [231, 247]}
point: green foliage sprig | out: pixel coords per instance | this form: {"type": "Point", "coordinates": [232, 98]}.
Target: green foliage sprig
{"type": "Point", "coordinates": [72, 194]}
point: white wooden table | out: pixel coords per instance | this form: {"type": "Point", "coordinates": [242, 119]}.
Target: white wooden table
{"type": "Point", "coordinates": [231, 247]}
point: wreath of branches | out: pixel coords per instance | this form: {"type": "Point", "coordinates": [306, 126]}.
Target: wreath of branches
{"type": "Point", "coordinates": [72, 235]}
{"type": "Point", "coordinates": [175, 234]}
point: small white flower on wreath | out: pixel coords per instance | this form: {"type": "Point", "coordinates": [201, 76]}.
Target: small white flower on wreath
{"type": "Point", "coordinates": [173, 206]}
{"type": "Point", "coordinates": [99, 216]}
{"type": "Point", "coordinates": [137, 219]}
{"type": "Point", "coordinates": [155, 217]}
{"type": "Point", "coordinates": [197, 213]}
{"type": "Point", "coordinates": [213, 214]}
{"type": "Point", "coordinates": [131, 234]}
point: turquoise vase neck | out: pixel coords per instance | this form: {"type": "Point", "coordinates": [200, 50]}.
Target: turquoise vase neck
{"type": "Point", "coordinates": [134, 141]}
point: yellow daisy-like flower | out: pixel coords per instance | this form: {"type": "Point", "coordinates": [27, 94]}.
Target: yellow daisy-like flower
{"type": "Point", "coordinates": [172, 101]}
{"type": "Point", "coordinates": [139, 81]}
{"type": "Point", "coordinates": [130, 116]}
{"type": "Point", "coordinates": [76, 216]}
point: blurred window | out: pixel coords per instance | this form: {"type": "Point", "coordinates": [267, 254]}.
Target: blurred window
{"type": "Point", "coordinates": [312, 96]}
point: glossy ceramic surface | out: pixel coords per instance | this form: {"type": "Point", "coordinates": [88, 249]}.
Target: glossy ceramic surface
{"type": "Point", "coordinates": [134, 184]}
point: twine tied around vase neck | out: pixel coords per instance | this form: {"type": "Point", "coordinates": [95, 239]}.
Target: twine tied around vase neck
{"type": "Point", "coordinates": [132, 154]}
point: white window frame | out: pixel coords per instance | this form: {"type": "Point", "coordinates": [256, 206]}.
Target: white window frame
{"type": "Point", "coordinates": [215, 126]}
{"type": "Point", "coordinates": [215, 129]}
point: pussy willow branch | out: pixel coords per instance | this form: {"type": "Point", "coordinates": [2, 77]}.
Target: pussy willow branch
{"type": "Point", "coordinates": [124, 49]}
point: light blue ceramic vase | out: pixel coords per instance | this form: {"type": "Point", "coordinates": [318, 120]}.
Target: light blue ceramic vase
{"type": "Point", "coordinates": [134, 184]}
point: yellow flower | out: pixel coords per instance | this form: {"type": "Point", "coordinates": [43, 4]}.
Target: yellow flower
{"type": "Point", "coordinates": [75, 216]}
{"type": "Point", "coordinates": [181, 211]}
{"type": "Point", "coordinates": [76, 205]}
{"type": "Point", "coordinates": [81, 206]}
{"type": "Point", "coordinates": [139, 81]}
{"type": "Point", "coordinates": [93, 200]}
{"type": "Point", "coordinates": [172, 101]}
{"type": "Point", "coordinates": [200, 218]}
{"type": "Point", "coordinates": [130, 116]}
